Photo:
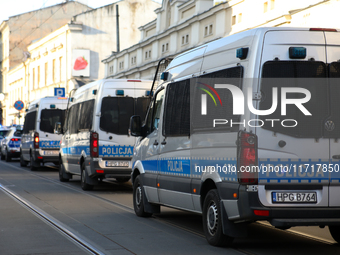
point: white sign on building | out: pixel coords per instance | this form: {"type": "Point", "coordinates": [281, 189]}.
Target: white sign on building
{"type": "Point", "coordinates": [81, 62]}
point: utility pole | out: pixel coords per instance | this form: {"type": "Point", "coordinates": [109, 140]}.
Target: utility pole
{"type": "Point", "coordinates": [117, 26]}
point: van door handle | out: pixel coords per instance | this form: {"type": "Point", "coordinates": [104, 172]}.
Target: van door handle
{"type": "Point", "coordinates": [336, 156]}
{"type": "Point", "coordinates": [155, 143]}
{"type": "Point", "coordinates": [163, 143]}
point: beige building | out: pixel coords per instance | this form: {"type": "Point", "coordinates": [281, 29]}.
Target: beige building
{"type": "Point", "coordinates": [70, 56]}
{"type": "Point", "coordinates": [19, 31]}
{"type": "Point", "coordinates": [182, 25]}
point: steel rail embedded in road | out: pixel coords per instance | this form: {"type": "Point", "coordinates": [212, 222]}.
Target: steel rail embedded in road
{"type": "Point", "coordinates": [53, 222]}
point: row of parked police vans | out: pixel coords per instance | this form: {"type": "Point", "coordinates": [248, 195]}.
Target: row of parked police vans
{"type": "Point", "coordinates": [241, 129]}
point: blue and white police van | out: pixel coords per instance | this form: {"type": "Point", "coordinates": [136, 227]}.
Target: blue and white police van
{"type": "Point", "coordinates": [95, 142]}
{"type": "Point", "coordinates": [243, 129]}
{"type": "Point", "coordinates": [39, 143]}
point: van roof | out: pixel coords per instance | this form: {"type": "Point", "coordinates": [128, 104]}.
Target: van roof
{"type": "Point", "coordinates": [230, 39]}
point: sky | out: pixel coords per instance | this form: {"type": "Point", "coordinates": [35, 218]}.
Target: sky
{"type": "Point", "coordinates": [14, 7]}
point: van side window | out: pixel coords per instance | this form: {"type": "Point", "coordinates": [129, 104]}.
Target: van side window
{"type": "Point", "coordinates": [73, 119]}
{"type": "Point", "coordinates": [141, 106]}
{"type": "Point", "coordinates": [86, 115]}
{"type": "Point", "coordinates": [116, 113]}
{"type": "Point", "coordinates": [30, 120]}
{"type": "Point", "coordinates": [218, 102]}
{"type": "Point", "coordinates": [152, 120]}
{"type": "Point", "coordinates": [176, 120]}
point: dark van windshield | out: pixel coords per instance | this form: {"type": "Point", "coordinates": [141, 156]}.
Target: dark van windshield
{"type": "Point", "coordinates": [116, 113]}
{"type": "Point", "coordinates": [49, 117]}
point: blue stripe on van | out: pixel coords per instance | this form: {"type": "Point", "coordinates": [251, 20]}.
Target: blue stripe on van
{"type": "Point", "coordinates": [104, 151]}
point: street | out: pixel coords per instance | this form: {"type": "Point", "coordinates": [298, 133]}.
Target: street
{"type": "Point", "coordinates": [104, 219]}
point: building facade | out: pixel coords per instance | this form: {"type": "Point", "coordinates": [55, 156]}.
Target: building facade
{"type": "Point", "coordinates": [70, 56]}
{"type": "Point", "coordinates": [183, 25]}
{"type": "Point", "coordinates": [19, 31]}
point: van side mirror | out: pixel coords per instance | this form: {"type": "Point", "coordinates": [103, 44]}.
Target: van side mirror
{"type": "Point", "coordinates": [57, 128]}
{"type": "Point", "coordinates": [135, 128]}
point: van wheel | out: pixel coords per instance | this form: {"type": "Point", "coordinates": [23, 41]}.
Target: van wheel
{"type": "Point", "coordinates": [83, 183]}
{"type": "Point", "coordinates": [23, 163]}
{"type": "Point", "coordinates": [122, 179]}
{"type": "Point", "coordinates": [138, 204]}
{"type": "Point", "coordinates": [212, 220]}
{"type": "Point", "coordinates": [32, 164]}
{"type": "Point", "coordinates": [61, 172]}
{"type": "Point", "coordinates": [335, 232]}
{"type": "Point", "coordinates": [7, 157]}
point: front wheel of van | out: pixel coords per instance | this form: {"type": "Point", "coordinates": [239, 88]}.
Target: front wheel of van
{"type": "Point", "coordinates": [212, 221]}
{"type": "Point", "coordinates": [83, 183]}
{"type": "Point", "coordinates": [61, 172]}
{"type": "Point", "coordinates": [138, 204]}
{"type": "Point", "coordinates": [23, 163]}
{"type": "Point", "coordinates": [33, 166]}
{"type": "Point", "coordinates": [335, 232]}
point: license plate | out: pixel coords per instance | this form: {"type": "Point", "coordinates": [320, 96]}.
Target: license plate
{"type": "Point", "coordinates": [294, 197]}
{"type": "Point", "coordinates": [113, 163]}
{"type": "Point", "coordinates": [51, 153]}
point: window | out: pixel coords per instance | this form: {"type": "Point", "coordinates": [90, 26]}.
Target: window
{"type": "Point", "coordinates": [289, 74]}
{"type": "Point", "coordinates": [208, 30]}
{"type": "Point", "coordinates": [149, 53]}
{"type": "Point", "coordinates": [185, 39]}
{"type": "Point", "coordinates": [115, 114]}
{"type": "Point", "coordinates": [165, 47]}
{"type": "Point", "coordinates": [146, 55]}
{"type": "Point", "coordinates": [49, 117]}
{"type": "Point", "coordinates": [272, 4]}
{"type": "Point", "coordinates": [46, 73]}
{"type": "Point", "coordinates": [121, 65]}
{"type": "Point", "coordinates": [265, 7]}
{"type": "Point", "coordinates": [224, 110]}
{"type": "Point", "coordinates": [73, 119]}
{"type": "Point", "coordinates": [29, 123]}
{"type": "Point", "coordinates": [54, 71]}
{"type": "Point", "coordinates": [233, 20]}
{"type": "Point", "coordinates": [152, 121]}
{"type": "Point", "coordinates": [60, 68]}
{"type": "Point", "coordinates": [133, 60]}
{"type": "Point", "coordinates": [240, 18]}
{"type": "Point", "coordinates": [38, 74]}
{"type": "Point", "coordinates": [86, 115]}
{"type": "Point", "coordinates": [33, 78]}
{"type": "Point", "coordinates": [177, 109]}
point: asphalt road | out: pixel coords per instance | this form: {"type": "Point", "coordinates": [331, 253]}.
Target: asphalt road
{"type": "Point", "coordinates": [104, 219]}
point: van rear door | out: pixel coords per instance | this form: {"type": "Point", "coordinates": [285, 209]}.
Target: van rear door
{"type": "Point", "coordinates": [292, 159]}
{"type": "Point", "coordinates": [333, 57]}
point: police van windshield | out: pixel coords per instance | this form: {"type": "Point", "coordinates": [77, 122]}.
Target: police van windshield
{"type": "Point", "coordinates": [3, 132]}
{"type": "Point", "coordinates": [49, 117]}
{"type": "Point", "coordinates": [116, 113]}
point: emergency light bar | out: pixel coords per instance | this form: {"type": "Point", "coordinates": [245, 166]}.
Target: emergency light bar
{"type": "Point", "coordinates": [297, 52]}
{"type": "Point", "coordinates": [119, 92]}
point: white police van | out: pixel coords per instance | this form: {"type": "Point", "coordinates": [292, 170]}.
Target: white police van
{"type": "Point", "coordinates": [39, 143]}
{"type": "Point", "coordinates": [246, 128]}
{"type": "Point", "coordinates": [95, 142]}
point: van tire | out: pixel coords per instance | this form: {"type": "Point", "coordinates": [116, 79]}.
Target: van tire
{"type": "Point", "coordinates": [122, 179]}
{"type": "Point", "coordinates": [212, 220]}
{"type": "Point", "coordinates": [138, 198]}
{"type": "Point", "coordinates": [32, 164]}
{"type": "Point", "coordinates": [2, 157]}
{"type": "Point", "coordinates": [335, 232]}
{"type": "Point", "coordinates": [62, 172]}
{"type": "Point", "coordinates": [84, 185]}
{"type": "Point", "coordinates": [23, 163]}
{"type": "Point", "coordinates": [7, 157]}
